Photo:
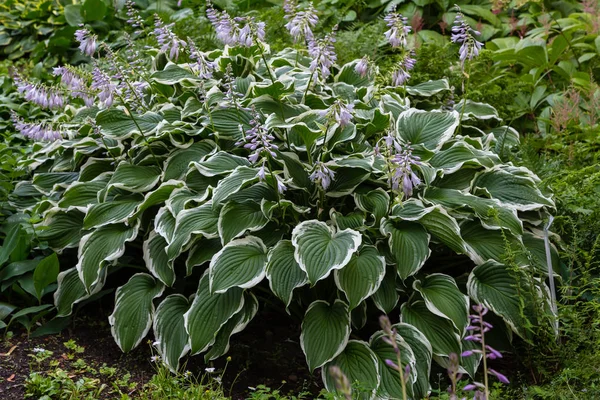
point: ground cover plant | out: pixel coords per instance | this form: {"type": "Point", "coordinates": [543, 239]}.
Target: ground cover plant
{"type": "Point", "coordinates": [242, 175]}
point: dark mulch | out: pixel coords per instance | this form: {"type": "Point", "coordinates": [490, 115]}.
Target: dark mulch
{"type": "Point", "coordinates": [267, 352]}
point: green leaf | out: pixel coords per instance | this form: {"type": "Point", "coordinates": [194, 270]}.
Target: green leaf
{"type": "Point", "coordinates": [376, 202]}
{"type": "Point", "coordinates": [237, 218]}
{"type": "Point", "coordinates": [429, 88]}
{"type": "Point", "coordinates": [200, 220]}
{"type": "Point", "coordinates": [82, 195]}
{"type": "Point", "coordinates": [103, 245]}
{"type": "Point", "coordinates": [439, 331]}
{"type": "Point", "coordinates": [236, 324]}
{"type": "Point", "coordinates": [429, 128]}
{"type": "Point", "coordinates": [320, 250]}
{"type": "Point", "coordinates": [116, 124]}
{"type": "Point", "coordinates": [158, 196]}
{"type": "Point", "coordinates": [208, 313]}
{"type": "Point", "coordinates": [409, 245]}
{"type": "Point", "coordinates": [443, 298]}
{"type": "Point", "coordinates": [359, 364]}
{"type": "Point", "coordinates": [173, 74]}
{"type": "Point", "coordinates": [283, 272]}
{"type": "Point", "coordinates": [111, 212]}
{"type": "Point", "coordinates": [132, 316]}
{"type": "Point", "coordinates": [229, 123]}
{"type": "Point", "coordinates": [169, 330]}
{"type": "Point", "coordinates": [220, 163]}
{"type": "Point", "coordinates": [513, 187]}
{"type": "Point", "coordinates": [423, 355]}
{"type": "Point", "coordinates": [386, 297]}
{"type": "Point", "coordinates": [93, 10]}
{"type": "Point", "coordinates": [495, 286]}
{"type": "Point", "coordinates": [241, 263]}
{"type": "Point", "coordinates": [156, 259]}
{"type": "Point", "coordinates": [178, 163]}
{"type": "Point", "coordinates": [73, 14]}
{"type": "Point", "coordinates": [64, 229]}
{"type": "Point", "coordinates": [135, 178]}
{"type": "Point", "coordinates": [71, 291]}
{"type": "Point", "coordinates": [201, 252]}
{"type": "Point", "coordinates": [239, 178]}
{"type": "Point", "coordinates": [390, 386]}
{"type": "Point", "coordinates": [325, 332]}
{"type": "Point", "coordinates": [362, 276]}
{"type": "Point", "coordinates": [474, 110]}
{"type": "Point", "coordinates": [10, 243]}
{"type": "Point", "coordinates": [45, 273]}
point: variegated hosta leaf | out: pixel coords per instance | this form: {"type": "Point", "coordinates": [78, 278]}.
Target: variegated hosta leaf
{"type": "Point", "coordinates": [169, 330]}
{"type": "Point", "coordinates": [103, 245]}
{"type": "Point", "coordinates": [473, 110]}
{"type": "Point", "coordinates": [220, 163]}
{"type": "Point", "coordinates": [62, 229]}
{"type": "Point", "coordinates": [513, 187]}
{"type": "Point", "coordinates": [494, 285]}
{"type": "Point", "coordinates": [460, 154]}
{"type": "Point", "coordinates": [115, 123]}
{"type": "Point", "coordinates": [359, 364]}
{"type": "Point", "coordinates": [361, 277]}
{"type": "Point", "coordinates": [429, 128]}
{"type": "Point", "coordinates": [390, 386]}
{"type": "Point", "coordinates": [178, 163]}
{"type": "Point", "coordinates": [439, 331]}
{"type": "Point", "coordinates": [325, 332]}
{"type": "Point", "coordinates": [236, 218]}
{"type": "Point", "coordinates": [135, 178]}
{"type": "Point", "coordinates": [386, 297]}
{"type": "Point", "coordinates": [409, 245]}
{"type": "Point", "coordinates": [443, 298]}
{"type": "Point", "coordinates": [82, 195]}
{"type": "Point", "coordinates": [208, 313]}
{"type": "Point", "coordinates": [111, 212]}
{"type": "Point", "coordinates": [423, 356]}
{"type": "Point", "coordinates": [239, 178]}
{"type": "Point", "coordinates": [70, 291]}
{"type": "Point", "coordinates": [132, 316]}
{"type": "Point", "coordinates": [488, 244]}
{"type": "Point", "coordinates": [155, 257]}
{"type": "Point", "coordinates": [236, 324]}
{"type": "Point", "coordinates": [429, 88]}
{"type": "Point", "coordinates": [320, 250]}
{"type": "Point", "coordinates": [241, 263]}
{"type": "Point", "coordinates": [375, 202]}
{"type": "Point", "coordinates": [158, 196]}
{"type": "Point", "coordinates": [199, 220]}
{"type": "Point", "coordinates": [283, 272]}
{"type": "Point", "coordinates": [201, 252]}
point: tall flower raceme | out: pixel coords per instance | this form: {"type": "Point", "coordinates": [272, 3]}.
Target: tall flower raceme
{"type": "Point", "coordinates": [105, 89]}
{"type": "Point", "coordinates": [202, 65]}
{"type": "Point", "coordinates": [242, 31]}
{"type": "Point", "coordinates": [401, 162]}
{"type": "Point", "coordinates": [399, 26]}
{"type": "Point", "coordinates": [133, 17]}
{"type": "Point", "coordinates": [75, 82]}
{"type": "Point", "coordinates": [464, 35]}
{"type": "Point", "coordinates": [42, 95]}
{"type": "Point", "coordinates": [339, 112]}
{"type": "Point", "coordinates": [323, 54]}
{"type": "Point", "coordinates": [167, 40]}
{"type": "Point", "coordinates": [401, 74]}
{"type": "Point", "coordinates": [36, 131]}
{"type": "Point", "coordinates": [477, 328]}
{"type": "Point", "coordinates": [363, 67]}
{"type": "Point", "coordinates": [301, 22]}
{"type": "Point", "coordinates": [88, 42]}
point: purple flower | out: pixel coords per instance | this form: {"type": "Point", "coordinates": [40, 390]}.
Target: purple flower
{"type": "Point", "coordinates": [498, 375]}
{"type": "Point", "coordinates": [289, 6]}
{"type": "Point", "coordinates": [322, 175]}
{"type": "Point", "coordinates": [167, 40]}
{"type": "Point", "coordinates": [258, 140]}
{"type": "Point", "coordinates": [43, 96]}
{"type": "Point", "coordinates": [340, 112]}
{"type": "Point", "coordinates": [323, 54]}
{"type": "Point", "coordinates": [133, 15]}
{"type": "Point", "coordinates": [280, 185]}
{"type": "Point", "coordinates": [301, 23]}
{"type": "Point", "coordinates": [104, 88]}
{"type": "Point", "coordinates": [401, 75]}
{"type": "Point", "coordinates": [465, 35]}
{"type": "Point", "coordinates": [362, 67]}
{"type": "Point", "coordinates": [202, 65]}
{"type": "Point", "coordinates": [399, 29]}
{"type": "Point", "coordinates": [229, 31]}
{"type": "Point", "coordinates": [36, 131]}
{"type": "Point", "coordinates": [403, 174]}
{"type": "Point", "coordinates": [87, 41]}
{"type": "Point", "coordinates": [392, 364]}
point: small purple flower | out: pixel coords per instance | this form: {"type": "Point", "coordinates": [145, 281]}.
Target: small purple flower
{"type": "Point", "coordinates": [323, 54]}
{"type": "Point", "coordinates": [202, 65]}
{"type": "Point", "coordinates": [322, 175]}
{"type": "Point", "coordinates": [167, 40]}
{"type": "Point", "coordinates": [87, 41]}
{"type": "Point", "coordinates": [258, 140]}
{"type": "Point", "coordinates": [289, 6]}
{"type": "Point", "coordinates": [133, 15]}
{"type": "Point", "coordinates": [399, 29]}
{"type": "Point", "coordinates": [339, 112]}
{"type": "Point", "coordinates": [280, 185]}
{"type": "Point", "coordinates": [463, 34]}
{"type": "Point", "coordinates": [104, 88]}
{"type": "Point", "coordinates": [40, 131]}
{"type": "Point", "coordinates": [498, 375]}
{"type": "Point", "coordinates": [229, 31]}
{"type": "Point", "coordinates": [403, 162]}
{"type": "Point", "coordinates": [362, 67]}
{"type": "Point", "coordinates": [301, 23]}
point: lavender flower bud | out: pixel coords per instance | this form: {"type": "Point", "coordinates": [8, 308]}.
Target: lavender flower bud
{"type": "Point", "coordinates": [362, 67]}
{"type": "Point", "coordinates": [401, 74]}
{"type": "Point", "coordinates": [280, 185]}
{"type": "Point", "coordinates": [105, 89]}
{"type": "Point", "coordinates": [301, 23]}
{"type": "Point", "coordinates": [168, 41]}
{"type": "Point", "coordinates": [258, 140]}
{"type": "Point", "coordinates": [392, 364]}
{"type": "Point", "coordinates": [134, 18]}
{"type": "Point", "coordinates": [498, 375]}
{"type": "Point", "coordinates": [203, 66]}
{"type": "Point", "coordinates": [463, 34]}
{"type": "Point", "coordinates": [403, 174]}
{"type": "Point", "coordinates": [42, 132]}
{"type": "Point", "coordinates": [323, 54]}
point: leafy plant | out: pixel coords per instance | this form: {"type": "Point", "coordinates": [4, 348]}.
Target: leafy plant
{"type": "Point", "coordinates": [243, 173]}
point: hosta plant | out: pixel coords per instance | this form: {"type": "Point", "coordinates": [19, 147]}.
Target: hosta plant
{"type": "Point", "coordinates": [198, 187]}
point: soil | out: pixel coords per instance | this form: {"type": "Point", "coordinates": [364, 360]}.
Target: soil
{"type": "Point", "coordinates": [266, 352]}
